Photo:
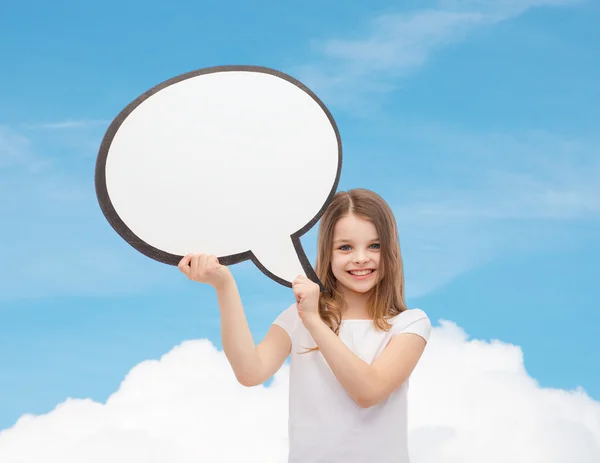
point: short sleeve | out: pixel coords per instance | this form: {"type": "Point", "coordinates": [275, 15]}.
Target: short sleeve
{"type": "Point", "coordinates": [413, 321]}
{"type": "Point", "coordinates": [288, 319]}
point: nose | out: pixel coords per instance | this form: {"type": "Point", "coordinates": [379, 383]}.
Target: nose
{"type": "Point", "coordinates": [360, 258]}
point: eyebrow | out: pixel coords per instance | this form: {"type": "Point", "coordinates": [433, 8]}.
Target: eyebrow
{"type": "Point", "coordinates": [345, 240]}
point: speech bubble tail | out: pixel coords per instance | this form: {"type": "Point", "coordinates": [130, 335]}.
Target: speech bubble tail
{"type": "Point", "coordinates": [283, 261]}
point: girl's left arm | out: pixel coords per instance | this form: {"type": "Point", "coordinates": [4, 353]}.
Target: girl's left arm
{"type": "Point", "coordinates": [367, 384]}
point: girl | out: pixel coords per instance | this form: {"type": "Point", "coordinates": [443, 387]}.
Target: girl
{"type": "Point", "coordinates": [353, 347]}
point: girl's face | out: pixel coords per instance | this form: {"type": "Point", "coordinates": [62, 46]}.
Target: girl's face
{"type": "Point", "coordinates": [356, 254]}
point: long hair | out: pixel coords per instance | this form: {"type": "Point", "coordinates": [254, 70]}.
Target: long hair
{"type": "Point", "coordinates": [386, 298]}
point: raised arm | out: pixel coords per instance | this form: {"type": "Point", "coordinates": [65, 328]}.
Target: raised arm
{"type": "Point", "coordinates": [251, 364]}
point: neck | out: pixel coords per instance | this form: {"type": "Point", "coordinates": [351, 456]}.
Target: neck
{"type": "Point", "coordinates": [356, 303]}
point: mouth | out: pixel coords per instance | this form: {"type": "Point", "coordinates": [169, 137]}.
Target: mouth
{"type": "Point", "coordinates": [362, 274]}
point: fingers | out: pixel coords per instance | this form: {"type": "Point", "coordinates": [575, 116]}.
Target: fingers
{"type": "Point", "coordinates": [195, 266]}
{"type": "Point", "coordinates": [190, 264]}
{"type": "Point", "coordinates": [184, 264]}
{"type": "Point", "coordinates": [185, 260]}
{"type": "Point", "coordinates": [299, 279]}
{"type": "Point", "coordinates": [303, 280]}
{"type": "Point", "coordinates": [299, 292]}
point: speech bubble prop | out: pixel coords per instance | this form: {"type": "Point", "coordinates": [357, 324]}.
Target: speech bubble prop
{"type": "Point", "coordinates": [235, 161]}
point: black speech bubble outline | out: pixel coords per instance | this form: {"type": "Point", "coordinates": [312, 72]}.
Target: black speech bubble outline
{"type": "Point", "coordinates": [161, 256]}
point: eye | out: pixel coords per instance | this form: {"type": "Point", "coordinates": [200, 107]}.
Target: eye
{"type": "Point", "coordinates": [345, 246]}
{"type": "Point", "coordinates": [377, 246]}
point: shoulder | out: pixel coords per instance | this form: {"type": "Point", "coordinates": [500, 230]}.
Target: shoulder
{"type": "Point", "coordinates": [288, 319]}
{"type": "Point", "coordinates": [411, 321]}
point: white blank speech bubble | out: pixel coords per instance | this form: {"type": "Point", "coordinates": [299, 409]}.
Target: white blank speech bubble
{"type": "Point", "coordinates": [235, 161]}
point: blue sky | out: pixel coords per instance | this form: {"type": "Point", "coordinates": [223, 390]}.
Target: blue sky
{"type": "Point", "coordinates": [476, 121]}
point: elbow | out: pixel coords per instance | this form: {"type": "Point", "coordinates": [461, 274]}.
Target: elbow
{"type": "Point", "coordinates": [248, 380]}
{"type": "Point", "coordinates": [367, 401]}
{"type": "Point", "coordinates": [370, 395]}
{"type": "Point", "coordinates": [374, 397]}
{"type": "Point", "coordinates": [249, 375]}
{"type": "Point", "coordinates": [363, 403]}
{"type": "Point", "coordinates": [244, 382]}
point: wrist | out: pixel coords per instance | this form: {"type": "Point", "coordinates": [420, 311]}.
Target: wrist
{"type": "Point", "coordinates": [225, 281]}
{"type": "Point", "coordinates": [311, 320]}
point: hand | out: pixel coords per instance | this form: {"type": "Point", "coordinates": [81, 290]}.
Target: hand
{"type": "Point", "coordinates": [204, 268]}
{"type": "Point", "coordinates": [307, 296]}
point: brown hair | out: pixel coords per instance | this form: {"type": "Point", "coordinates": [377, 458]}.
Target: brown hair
{"type": "Point", "coordinates": [386, 299]}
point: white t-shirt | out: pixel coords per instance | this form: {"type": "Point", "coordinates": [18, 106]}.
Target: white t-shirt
{"type": "Point", "coordinates": [325, 424]}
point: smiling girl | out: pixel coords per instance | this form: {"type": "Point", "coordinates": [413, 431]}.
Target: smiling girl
{"type": "Point", "coordinates": [353, 347]}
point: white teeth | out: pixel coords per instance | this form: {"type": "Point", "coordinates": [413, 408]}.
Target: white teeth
{"type": "Point", "coordinates": [359, 273]}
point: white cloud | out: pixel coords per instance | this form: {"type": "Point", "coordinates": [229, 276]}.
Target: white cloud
{"type": "Point", "coordinates": [393, 45]}
{"type": "Point", "coordinates": [71, 124]}
{"type": "Point", "coordinates": [473, 401]}
{"type": "Point", "coordinates": [402, 41]}
{"type": "Point", "coordinates": [470, 401]}
{"type": "Point", "coordinates": [187, 407]}
{"type": "Point", "coordinates": [16, 153]}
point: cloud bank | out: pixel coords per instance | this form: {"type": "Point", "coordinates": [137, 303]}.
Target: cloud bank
{"type": "Point", "coordinates": [471, 401]}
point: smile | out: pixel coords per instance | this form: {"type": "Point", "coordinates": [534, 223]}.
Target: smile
{"type": "Point", "coordinates": [361, 273]}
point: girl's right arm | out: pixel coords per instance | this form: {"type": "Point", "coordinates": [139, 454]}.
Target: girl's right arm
{"type": "Point", "coordinates": [252, 365]}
